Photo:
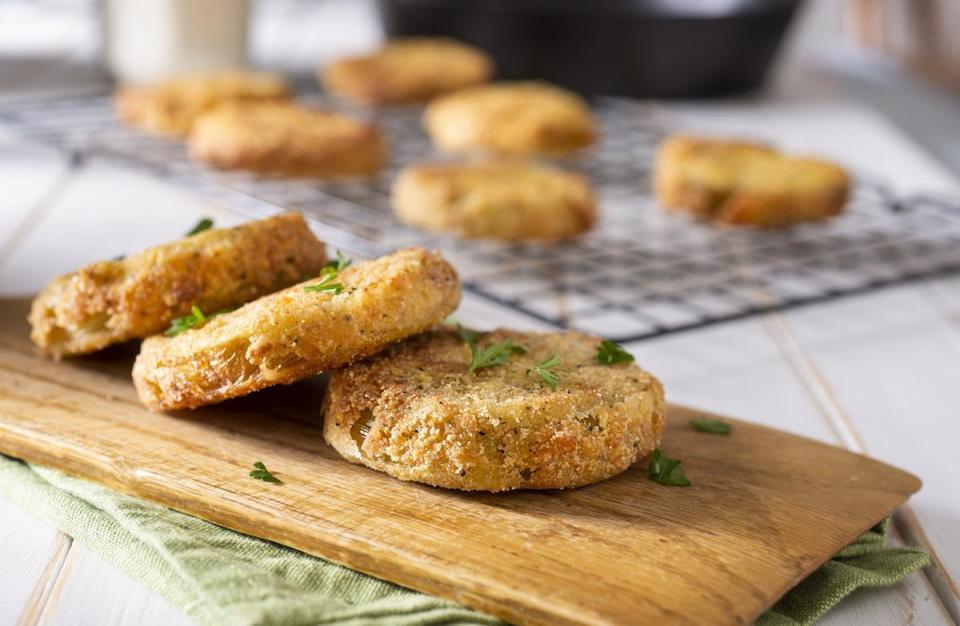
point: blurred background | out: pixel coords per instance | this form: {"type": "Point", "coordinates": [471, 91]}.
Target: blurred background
{"type": "Point", "coordinates": [901, 57]}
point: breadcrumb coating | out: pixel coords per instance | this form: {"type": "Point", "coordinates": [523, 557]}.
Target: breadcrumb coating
{"type": "Point", "coordinates": [416, 413]}
{"type": "Point", "coordinates": [511, 118]}
{"type": "Point", "coordinates": [171, 106]}
{"type": "Point", "coordinates": [408, 70]}
{"type": "Point", "coordinates": [287, 139]}
{"type": "Point", "coordinates": [507, 200]}
{"type": "Point", "coordinates": [735, 182]}
{"type": "Point", "coordinates": [113, 301]}
{"type": "Point", "coordinates": [295, 333]}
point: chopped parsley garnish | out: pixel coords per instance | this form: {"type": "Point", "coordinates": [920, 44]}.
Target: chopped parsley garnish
{"type": "Point", "coordinates": [468, 336]}
{"type": "Point", "coordinates": [194, 319]}
{"type": "Point", "coordinates": [610, 353]}
{"type": "Point", "coordinates": [713, 426]}
{"type": "Point", "coordinates": [494, 354]}
{"type": "Point", "coordinates": [489, 356]}
{"type": "Point", "coordinates": [204, 224]}
{"type": "Point", "coordinates": [340, 263]}
{"type": "Point", "coordinates": [262, 473]}
{"type": "Point", "coordinates": [667, 471]}
{"type": "Point", "coordinates": [327, 275]}
{"type": "Point", "coordinates": [543, 371]}
{"type": "Point", "coordinates": [119, 257]}
{"type": "Point", "coordinates": [180, 324]}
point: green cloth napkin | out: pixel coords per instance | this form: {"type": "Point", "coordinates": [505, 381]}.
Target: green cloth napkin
{"type": "Point", "coordinates": [867, 562]}
{"type": "Point", "coordinates": [218, 576]}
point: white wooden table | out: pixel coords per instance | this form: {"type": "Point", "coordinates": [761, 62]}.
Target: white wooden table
{"type": "Point", "coordinates": [878, 373]}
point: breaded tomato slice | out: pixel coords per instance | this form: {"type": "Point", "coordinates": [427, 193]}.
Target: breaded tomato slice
{"type": "Point", "coordinates": [544, 414]}
{"type": "Point", "coordinates": [737, 182]}
{"type": "Point", "coordinates": [320, 324]}
{"type": "Point", "coordinates": [113, 301]}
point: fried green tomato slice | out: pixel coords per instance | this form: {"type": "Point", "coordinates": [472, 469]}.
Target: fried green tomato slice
{"type": "Point", "coordinates": [417, 413]}
{"type": "Point", "coordinates": [114, 301]}
{"type": "Point", "coordinates": [320, 324]}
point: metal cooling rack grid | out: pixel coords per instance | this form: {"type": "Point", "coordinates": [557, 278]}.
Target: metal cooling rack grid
{"type": "Point", "coordinates": [640, 274]}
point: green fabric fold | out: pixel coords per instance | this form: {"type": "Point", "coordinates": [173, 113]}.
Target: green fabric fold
{"type": "Point", "coordinates": [867, 562]}
{"type": "Point", "coordinates": [218, 576]}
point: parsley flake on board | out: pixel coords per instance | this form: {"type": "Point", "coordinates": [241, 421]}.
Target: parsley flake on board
{"type": "Point", "coordinates": [262, 473]}
{"type": "Point", "coordinates": [610, 353]}
{"type": "Point", "coordinates": [667, 471]}
{"type": "Point", "coordinates": [713, 426]}
{"type": "Point", "coordinates": [204, 224]}
{"type": "Point", "coordinates": [543, 371]}
{"type": "Point", "coordinates": [327, 275]}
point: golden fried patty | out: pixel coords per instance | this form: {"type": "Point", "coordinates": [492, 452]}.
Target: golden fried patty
{"type": "Point", "coordinates": [286, 138]}
{"type": "Point", "coordinates": [510, 200]}
{"type": "Point", "coordinates": [512, 118]}
{"type": "Point", "coordinates": [408, 70]}
{"type": "Point", "coordinates": [746, 183]}
{"type": "Point", "coordinates": [295, 333]}
{"type": "Point", "coordinates": [416, 413]}
{"type": "Point", "coordinates": [171, 106]}
{"type": "Point", "coordinates": [113, 301]}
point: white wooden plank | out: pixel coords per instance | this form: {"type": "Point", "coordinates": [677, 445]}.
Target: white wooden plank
{"type": "Point", "coordinates": [31, 551]}
{"type": "Point", "coordinates": [29, 176]}
{"type": "Point", "coordinates": [94, 591]}
{"type": "Point", "coordinates": [104, 212]}
{"type": "Point", "coordinates": [946, 294]}
{"type": "Point", "coordinates": [888, 362]}
{"type": "Point", "coordinates": [26, 172]}
{"type": "Point", "coordinates": [735, 369]}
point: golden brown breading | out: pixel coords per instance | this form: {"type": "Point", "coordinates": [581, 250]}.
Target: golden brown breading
{"type": "Point", "coordinates": [408, 70]}
{"type": "Point", "coordinates": [511, 118]}
{"type": "Point", "coordinates": [171, 106]}
{"type": "Point", "coordinates": [415, 412]}
{"type": "Point", "coordinates": [510, 200]}
{"type": "Point", "coordinates": [288, 139]}
{"type": "Point", "coordinates": [113, 301]}
{"type": "Point", "coordinates": [746, 183]}
{"type": "Point", "coordinates": [292, 334]}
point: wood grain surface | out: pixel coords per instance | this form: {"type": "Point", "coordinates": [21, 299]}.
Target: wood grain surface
{"type": "Point", "coordinates": [766, 507]}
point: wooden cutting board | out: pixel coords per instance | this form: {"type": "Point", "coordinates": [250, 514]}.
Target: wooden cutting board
{"type": "Point", "coordinates": [766, 507]}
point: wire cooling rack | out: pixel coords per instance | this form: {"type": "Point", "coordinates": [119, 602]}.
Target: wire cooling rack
{"type": "Point", "coordinates": [641, 273]}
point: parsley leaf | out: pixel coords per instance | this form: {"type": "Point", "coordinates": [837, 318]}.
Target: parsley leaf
{"type": "Point", "coordinates": [667, 471]}
{"type": "Point", "coordinates": [713, 426]}
{"type": "Point", "coordinates": [180, 324]}
{"type": "Point", "coordinates": [340, 263]}
{"type": "Point", "coordinates": [194, 319]}
{"type": "Point", "coordinates": [468, 336]}
{"type": "Point", "coordinates": [327, 275]}
{"type": "Point", "coordinates": [262, 473]}
{"type": "Point", "coordinates": [610, 353]}
{"type": "Point", "coordinates": [204, 224]}
{"type": "Point", "coordinates": [495, 354]}
{"type": "Point", "coordinates": [543, 371]}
